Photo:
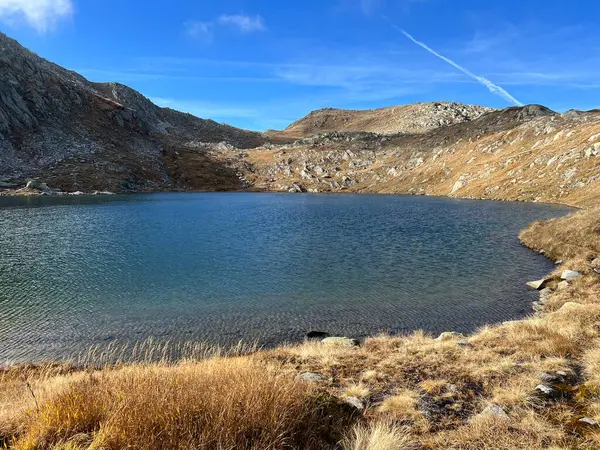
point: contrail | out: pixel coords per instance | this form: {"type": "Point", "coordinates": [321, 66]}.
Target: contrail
{"type": "Point", "coordinates": [494, 89]}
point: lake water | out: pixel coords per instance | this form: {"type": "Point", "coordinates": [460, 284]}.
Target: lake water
{"type": "Point", "coordinates": [221, 267]}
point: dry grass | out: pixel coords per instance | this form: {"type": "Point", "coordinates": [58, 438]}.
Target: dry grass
{"type": "Point", "coordinates": [224, 403]}
{"type": "Point", "coordinates": [378, 436]}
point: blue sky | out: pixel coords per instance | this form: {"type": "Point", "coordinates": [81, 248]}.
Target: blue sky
{"type": "Point", "coordinates": [262, 64]}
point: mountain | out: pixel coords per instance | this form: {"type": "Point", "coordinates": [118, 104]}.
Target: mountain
{"type": "Point", "coordinates": [525, 153]}
{"type": "Point", "coordinates": [75, 134]}
{"type": "Point", "coordinates": [414, 118]}
{"type": "Point", "coordinates": [58, 127]}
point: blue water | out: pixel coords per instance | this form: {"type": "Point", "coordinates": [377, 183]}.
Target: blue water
{"type": "Point", "coordinates": [221, 267]}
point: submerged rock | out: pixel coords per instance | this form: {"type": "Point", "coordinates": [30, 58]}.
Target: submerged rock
{"type": "Point", "coordinates": [343, 341]}
{"type": "Point", "coordinates": [316, 335]}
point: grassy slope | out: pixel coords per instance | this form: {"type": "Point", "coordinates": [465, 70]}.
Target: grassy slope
{"type": "Point", "coordinates": [419, 392]}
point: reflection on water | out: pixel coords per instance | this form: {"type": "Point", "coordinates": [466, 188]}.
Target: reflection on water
{"type": "Point", "coordinates": [223, 267]}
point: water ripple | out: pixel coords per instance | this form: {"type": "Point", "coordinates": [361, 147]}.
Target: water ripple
{"type": "Point", "coordinates": [225, 267]}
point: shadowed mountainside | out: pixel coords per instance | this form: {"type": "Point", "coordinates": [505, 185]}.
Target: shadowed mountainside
{"type": "Point", "coordinates": [56, 125]}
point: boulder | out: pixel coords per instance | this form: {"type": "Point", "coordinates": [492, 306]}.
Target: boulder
{"type": "Point", "coordinates": [316, 335]}
{"type": "Point", "coordinates": [544, 390]}
{"type": "Point", "coordinates": [354, 401]}
{"type": "Point", "coordinates": [544, 293]}
{"type": "Point", "coordinates": [494, 411]}
{"type": "Point", "coordinates": [449, 335]}
{"type": "Point", "coordinates": [595, 262]}
{"type": "Point", "coordinates": [342, 341]}
{"type": "Point", "coordinates": [560, 377]}
{"type": "Point", "coordinates": [563, 285]}
{"type": "Point", "coordinates": [38, 186]}
{"type": "Point", "coordinates": [570, 275]}
{"type": "Point", "coordinates": [310, 377]}
{"type": "Point", "coordinates": [538, 284]}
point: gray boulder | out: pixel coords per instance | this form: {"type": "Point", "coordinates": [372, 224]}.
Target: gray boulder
{"type": "Point", "coordinates": [341, 341]}
{"type": "Point", "coordinates": [494, 411]}
{"type": "Point", "coordinates": [354, 401]}
{"type": "Point", "coordinates": [570, 275]}
{"type": "Point", "coordinates": [537, 284]}
{"type": "Point", "coordinates": [310, 377]}
{"type": "Point", "coordinates": [38, 186]}
{"type": "Point", "coordinates": [449, 335]}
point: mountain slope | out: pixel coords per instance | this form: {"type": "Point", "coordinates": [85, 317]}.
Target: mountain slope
{"type": "Point", "coordinates": [528, 153]}
{"type": "Point", "coordinates": [81, 135]}
{"type": "Point", "coordinates": [413, 118]}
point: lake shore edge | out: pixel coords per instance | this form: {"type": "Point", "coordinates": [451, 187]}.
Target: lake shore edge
{"type": "Point", "coordinates": [526, 379]}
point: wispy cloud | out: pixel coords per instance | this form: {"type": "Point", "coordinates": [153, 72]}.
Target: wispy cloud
{"type": "Point", "coordinates": [369, 6]}
{"type": "Point", "coordinates": [42, 15]}
{"type": "Point", "coordinates": [202, 31]}
{"type": "Point", "coordinates": [246, 24]}
{"type": "Point", "coordinates": [493, 88]}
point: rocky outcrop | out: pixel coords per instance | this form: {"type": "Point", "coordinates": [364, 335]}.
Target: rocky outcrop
{"type": "Point", "coordinates": [414, 118]}
{"type": "Point", "coordinates": [56, 125]}
{"type": "Point", "coordinates": [525, 153]}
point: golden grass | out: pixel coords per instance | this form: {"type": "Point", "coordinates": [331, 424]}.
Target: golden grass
{"type": "Point", "coordinates": [224, 403]}
{"type": "Point", "coordinates": [377, 436]}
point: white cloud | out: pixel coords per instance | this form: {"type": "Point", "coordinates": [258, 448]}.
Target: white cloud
{"type": "Point", "coordinates": [246, 24]}
{"type": "Point", "coordinates": [199, 30]}
{"type": "Point", "coordinates": [42, 15]}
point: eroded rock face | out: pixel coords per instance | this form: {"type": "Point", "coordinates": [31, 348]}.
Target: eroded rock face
{"type": "Point", "coordinates": [56, 125]}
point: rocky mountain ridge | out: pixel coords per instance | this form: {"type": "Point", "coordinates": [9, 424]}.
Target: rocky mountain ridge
{"type": "Point", "coordinates": [412, 118]}
{"type": "Point", "coordinates": [521, 153]}
{"type": "Point", "coordinates": [76, 134]}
